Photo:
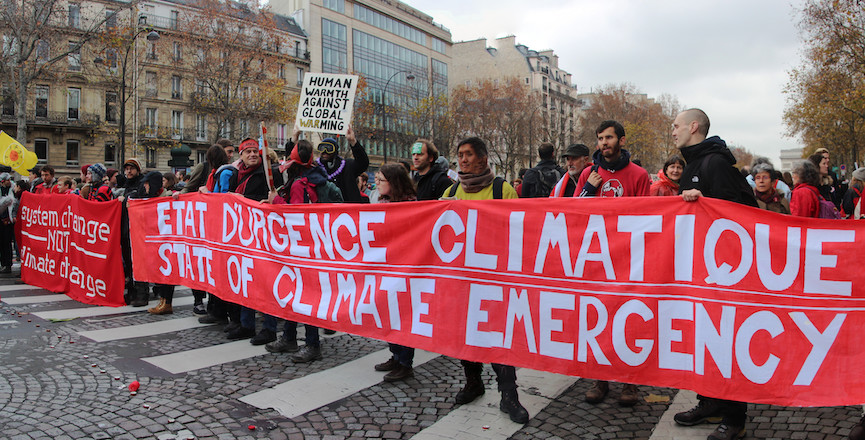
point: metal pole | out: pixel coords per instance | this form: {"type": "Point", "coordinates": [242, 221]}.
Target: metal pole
{"type": "Point", "coordinates": [409, 76]}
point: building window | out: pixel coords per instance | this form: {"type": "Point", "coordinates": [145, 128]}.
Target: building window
{"type": "Point", "coordinates": [386, 23]}
{"type": "Point", "coordinates": [110, 158]}
{"type": "Point", "coordinates": [110, 19]}
{"type": "Point", "coordinates": [110, 107]}
{"type": "Point", "coordinates": [200, 156]}
{"type": "Point", "coordinates": [334, 47]}
{"type": "Point", "coordinates": [73, 103]}
{"type": "Point", "coordinates": [176, 124]}
{"type": "Point", "coordinates": [151, 50]}
{"type": "Point", "coordinates": [299, 77]}
{"type": "Point", "coordinates": [71, 153]}
{"type": "Point", "coordinates": [150, 161]}
{"type": "Point", "coordinates": [200, 127]}
{"type": "Point", "coordinates": [43, 51]}
{"type": "Point", "coordinates": [75, 15]}
{"type": "Point", "coordinates": [335, 5]}
{"type": "Point", "coordinates": [41, 147]}
{"type": "Point", "coordinates": [438, 45]}
{"type": "Point", "coordinates": [176, 90]}
{"type": "Point", "coordinates": [281, 134]}
{"type": "Point", "coordinates": [74, 58]}
{"type": "Point", "coordinates": [8, 103]}
{"type": "Point", "coordinates": [281, 74]}
{"type": "Point", "coordinates": [150, 84]}
{"type": "Point", "coordinates": [172, 21]}
{"type": "Point", "coordinates": [41, 102]}
{"type": "Point", "coordinates": [178, 53]}
{"type": "Point", "coordinates": [150, 122]}
{"type": "Point", "coordinates": [244, 128]}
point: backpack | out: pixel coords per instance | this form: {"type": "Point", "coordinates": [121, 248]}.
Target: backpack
{"type": "Point", "coordinates": [546, 181]}
{"type": "Point", "coordinates": [302, 191]}
{"type": "Point", "coordinates": [498, 185]}
{"type": "Point", "coordinates": [855, 203]}
{"type": "Point", "coordinates": [826, 209]}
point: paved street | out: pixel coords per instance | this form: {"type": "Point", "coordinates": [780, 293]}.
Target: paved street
{"type": "Point", "coordinates": [66, 367]}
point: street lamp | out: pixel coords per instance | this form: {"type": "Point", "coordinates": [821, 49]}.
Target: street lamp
{"type": "Point", "coordinates": [152, 35]}
{"type": "Point", "coordinates": [409, 76]}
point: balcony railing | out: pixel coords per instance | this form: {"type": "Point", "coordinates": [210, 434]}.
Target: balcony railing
{"type": "Point", "coordinates": [84, 120]}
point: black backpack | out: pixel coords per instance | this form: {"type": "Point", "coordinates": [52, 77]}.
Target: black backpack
{"type": "Point", "coordinates": [547, 178]}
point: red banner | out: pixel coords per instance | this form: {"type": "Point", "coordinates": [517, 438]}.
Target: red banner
{"type": "Point", "coordinates": [723, 299]}
{"type": "Point", "coordinates": [72, 246]}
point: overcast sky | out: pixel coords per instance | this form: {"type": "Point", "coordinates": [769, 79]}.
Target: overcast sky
{"type": "Point", "coordinates": [730, 58]}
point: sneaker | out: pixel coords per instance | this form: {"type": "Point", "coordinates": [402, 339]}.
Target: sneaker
{"type": "Point", "coordinates": [727, 432]}
{"type": "Point", "coordinates": [307, 354]}
{"type": "Point", "coordinates": [706, 411]}
{"type": "Point", "coordinates": [282, 346]}
{"type": "Point", "coordinates": [263, 337]}
{"type": "Point", "coordinates": [598, 391]}
{"type": "Point", "coordinates": [630, 396]}
{"type": "Point", "coordinates": [241, 333]}
{"type": "Point", "coordinates": [199, 309]}
{"type": "Point", "coordinates": [399, 373]}
{"type": "Point", "coordinates": [390, 365]}
{"type": "Point", "coordinates": [210, 319]}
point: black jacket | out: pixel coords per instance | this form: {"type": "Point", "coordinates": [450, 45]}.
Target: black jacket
{"type": "Point", "coordinates": [346, 180]}
{"type": "Point", "coordinates": [710, 169]}
{"type": "Point", "coordinates": [532, 185]}
{"type": "Point", "coordinates": [433, 184]}
{"type": "Point", "coordinates": [256, 184]}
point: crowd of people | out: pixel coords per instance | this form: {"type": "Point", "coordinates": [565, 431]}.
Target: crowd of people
{"type": "Point", "coordinates": [704, 167]}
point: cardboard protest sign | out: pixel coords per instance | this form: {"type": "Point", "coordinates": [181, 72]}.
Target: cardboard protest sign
{"type": "Point", "coordinates": [326, 102]}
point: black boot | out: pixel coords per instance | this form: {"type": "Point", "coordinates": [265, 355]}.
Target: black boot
{"type": "Point", "coordinates": [474, 387]}
{"type": "Point", "coordinates": [511, 404]}
{"type": "Point", "coordinates": [140, 298]}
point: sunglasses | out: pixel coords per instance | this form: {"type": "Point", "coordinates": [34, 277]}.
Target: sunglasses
{"type": "Point", "coordinates": [327, 147]}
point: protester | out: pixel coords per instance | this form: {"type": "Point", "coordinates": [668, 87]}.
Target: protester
{"type": "Point", "coordinates": [613, 175]}
{"type": "Point", "coordinates": [7, 218]}
{"type": "Point", "coordinates": [216, 158]}
{"type": "Point", "coordinates": [307, 183]}
{"type": "Point", "coordinates": [829, 187]}
{"type": "Point", "coordinates": [768, 197]}
{"type": "Point", "coordinates": [49, 183]}
{"type": "Point", "coordinates": [169, 182]}
{"type": "Point", "coordinates": [132, 171]}
{"type": "Point", "coordinates": [477, 182]}
{"type": "Point", "coordinates": [805, 200]}
{"type": "Point", "coordinates": [540, 180]}
{"type": "Point", "coordinates": [518, 182]}
{"type": "Point", "coordinates": [151, 186]}
{"type": "Point", "coordinates": [201, 172]}
{"type": "Point", "coordinates": [395, 185]}
{"type": "Point", "coordinates": [343, 172]}
{"type": "Point", "coordinates": [66, 185]}
{"type": "Point", "coordinates": [710, 173]}
{"type": "Point", "coordinates": [250, 181]}
{"type": "Point", "coordinates": [36, 177]}
{"type": "Point", "coordinates": [780, 185]}
{"type": "Point", "coordinates": [99, 190]}
{"type": "Point", "coordinates": [430, 175]}
{"type": "Point", "coordinates": [363, 187]}
{"type": "Point", "coordinates": [668, 178]}
{"type": "Point", "coordinates": [853, 194]}
{"type": "Point", "coordinates": [577, 157]}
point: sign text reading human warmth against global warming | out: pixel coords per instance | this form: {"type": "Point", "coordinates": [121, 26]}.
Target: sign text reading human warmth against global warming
{"type": "Point", "coordinates": [326, 102]}
{"type": "Point", "coordinates": [723, 299]}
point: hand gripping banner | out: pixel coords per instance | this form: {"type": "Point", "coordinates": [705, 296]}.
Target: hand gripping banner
{"type": "Point", "coordinates": [726, 300]}
{"type": "Point", "coordinates": [71, 245]}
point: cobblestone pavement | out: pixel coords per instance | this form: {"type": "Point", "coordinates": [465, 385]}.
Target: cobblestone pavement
{"type": "Point", "coordinates": [59, 383]}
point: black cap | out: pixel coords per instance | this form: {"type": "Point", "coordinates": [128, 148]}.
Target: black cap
{"type": "Point", "coordinates": [576, 150]}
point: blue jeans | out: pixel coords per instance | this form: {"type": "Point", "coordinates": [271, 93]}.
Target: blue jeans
{"type": "Point", "coordinates": [247, 318]}
{"type": "Point", "coordinates": [404, 355]}
{"type": "Point", "coordinates": [289, 330]}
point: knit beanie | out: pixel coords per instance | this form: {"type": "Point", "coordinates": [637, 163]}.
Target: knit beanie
{"type": "Point", "coordinates": [98, 170]}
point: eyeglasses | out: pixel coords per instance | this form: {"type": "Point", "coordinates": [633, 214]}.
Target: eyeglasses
{"type": "Point", "coordinates": [327, 147]}
{"type": "Point", "coordinates": [380, 179]}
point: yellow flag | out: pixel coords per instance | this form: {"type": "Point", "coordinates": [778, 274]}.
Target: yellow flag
{"type": "Point", "coordinates": [13, 154]}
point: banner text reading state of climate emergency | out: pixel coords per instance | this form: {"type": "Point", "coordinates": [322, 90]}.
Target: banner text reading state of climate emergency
{"type": "Point", "coordinates": [726, 300]}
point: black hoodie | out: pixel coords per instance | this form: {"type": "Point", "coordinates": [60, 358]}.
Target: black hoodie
{"type": "Point", "coordinates": [710, 169]}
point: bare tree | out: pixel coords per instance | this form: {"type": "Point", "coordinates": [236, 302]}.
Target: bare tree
{"type": "Point", "coordinates": [38, 35]}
